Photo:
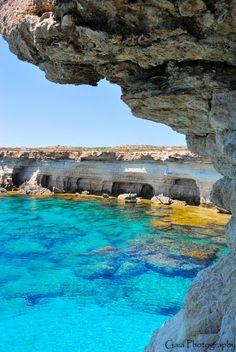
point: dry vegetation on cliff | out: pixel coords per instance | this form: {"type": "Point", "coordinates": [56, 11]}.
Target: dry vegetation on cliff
{"type": "Point", "coordinates": [127, 152]}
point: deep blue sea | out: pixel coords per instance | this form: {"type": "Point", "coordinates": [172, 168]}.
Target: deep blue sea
{"type": "Point", "coordinates": [90, 276]}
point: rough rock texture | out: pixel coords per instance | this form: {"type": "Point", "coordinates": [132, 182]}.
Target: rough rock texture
{"type": "Point", "coordinates": [209, 313]}
{"type": "Point", "coordinates": [128, 197]}
{"type": "Point", "coordinates": [129, 153]}
{"type": "Point", "coordinates": [175, 61]}
{"type": "Point", "coordinates": [174, 172]}
{"type": "Point", "coordinates": [161, 199]}
{"type": "Point", "coordinates": [28, 188]}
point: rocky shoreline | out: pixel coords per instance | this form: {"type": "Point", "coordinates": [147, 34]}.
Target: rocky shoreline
{"type": "Point", "coordinates": [174, 173]}
{"type": "Point", "coordinates": [182, 214]}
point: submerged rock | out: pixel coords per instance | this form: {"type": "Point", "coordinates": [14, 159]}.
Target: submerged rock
{"type": "Point", "coordinates": [172, 257]}
{"type": "Point", "coordinates": [96, 270]}
{"type": "Point", "coordinates": [131, 269]}
{"type": "Point", "coordinates": [168, 265]}
{"type": "Point", "coordinates": [192, 216]}
{"type": "Point", "coordinates": [208, 253]}
{"type": "Point", "coordinates": [105, 249]}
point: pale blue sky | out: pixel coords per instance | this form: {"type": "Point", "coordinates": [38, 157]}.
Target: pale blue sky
{"type": "Point", "coordinates": [36, 112]}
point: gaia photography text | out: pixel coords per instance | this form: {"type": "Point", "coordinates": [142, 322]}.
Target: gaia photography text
{"type": "Point", "coordinates": [227, 346]}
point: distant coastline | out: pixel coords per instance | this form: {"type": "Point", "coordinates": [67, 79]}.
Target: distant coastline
{"type": "Point", "coordinates": [146, 171]}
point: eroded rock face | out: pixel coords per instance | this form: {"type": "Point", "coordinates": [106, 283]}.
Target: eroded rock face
{"type": "Point", "coordinates": [175, 61]}
{"type": "Point", "coordinates": [208, 317]}
{"type": "Point", "coordinates": [175, 172]}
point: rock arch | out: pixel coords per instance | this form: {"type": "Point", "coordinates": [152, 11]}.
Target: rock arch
{"type": "Point", "coordinates": [175, 62]}
{"type": "Point", "coordinates": [83, 184]}
{"type": "Point", "coordinates": [46, 181]}
{"type": "Point", "coordinates": [185, 189]}
{"type": "Point", "coordinates": [147, 191]}
{"type": "Point", "coordinates": [16, 179]}
{"type": "Point", "coordinates": [141, 189]}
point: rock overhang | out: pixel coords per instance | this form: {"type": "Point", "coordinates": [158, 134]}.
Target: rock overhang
{"type": "Point", "coordinates": [171, 58]}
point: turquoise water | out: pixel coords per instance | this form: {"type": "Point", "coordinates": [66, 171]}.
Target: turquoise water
{"type": "Point", "coordinates": [90, 276]}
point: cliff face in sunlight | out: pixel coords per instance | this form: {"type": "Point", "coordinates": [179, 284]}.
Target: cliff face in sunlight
{"type": "Point", "coordinates": [175, 61]}
{"type": "Point", "coordinates": [175, 172]}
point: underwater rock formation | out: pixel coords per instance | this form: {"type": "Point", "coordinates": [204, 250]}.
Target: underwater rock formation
{"type": "Point", "coordinates": [177, 174]}
{"type": "Point", "coordinates": [175, 61]}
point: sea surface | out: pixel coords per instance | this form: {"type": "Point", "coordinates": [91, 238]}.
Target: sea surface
{"type": "Point", "coordinates": [92, 276]}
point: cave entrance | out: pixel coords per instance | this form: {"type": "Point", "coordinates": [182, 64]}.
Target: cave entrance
{"type": "Point", "coordinates": [143, 190]}
{"type": "Point", "coordinates": [67, 184]}
{"type": "Point", "coordinates": [147, 191]}
{"type": "Point", "coordinates": [45, 181]}
{"type": "Point", "coordinates": [16, 179]}
{"type": "Point", "coordinates": [185, 189]}
{"type": "Point", "coordinates": [84, 184]}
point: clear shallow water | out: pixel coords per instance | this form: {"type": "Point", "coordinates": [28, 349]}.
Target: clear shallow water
{"type": "Point", "coordinates": [90, 276]}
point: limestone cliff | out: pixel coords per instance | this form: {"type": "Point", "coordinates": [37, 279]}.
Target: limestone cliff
{"type": "Point", "coordinates": [175, 172]}
{"type": "Point", "coordinates": [175, 61]}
